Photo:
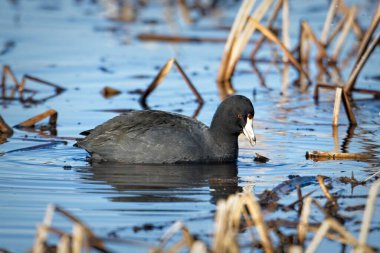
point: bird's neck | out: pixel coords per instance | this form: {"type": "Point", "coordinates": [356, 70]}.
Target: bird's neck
{"type": "Point", "coordinates": [227, 142]}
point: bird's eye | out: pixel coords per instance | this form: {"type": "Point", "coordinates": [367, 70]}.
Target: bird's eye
{"type": "Point", "coordinates": [250, 116]}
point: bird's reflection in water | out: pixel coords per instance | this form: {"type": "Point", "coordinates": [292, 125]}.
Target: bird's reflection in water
{"type": "Point", "coordinates": [165, 183]}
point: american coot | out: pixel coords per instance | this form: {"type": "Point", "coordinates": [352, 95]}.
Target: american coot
{"type": "Point", "coordinates": [158, 137]}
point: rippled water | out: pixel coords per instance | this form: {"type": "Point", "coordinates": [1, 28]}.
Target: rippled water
{"type": "Point", "coordinates": [71, 43]}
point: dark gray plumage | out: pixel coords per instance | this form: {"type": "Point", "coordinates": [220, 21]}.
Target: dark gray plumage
{"type": "Point", "coordinates": [160, 137]}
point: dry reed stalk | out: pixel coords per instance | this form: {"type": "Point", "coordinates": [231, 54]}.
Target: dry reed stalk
{"type": "Point", "coordinates": [367, 216]}
{"type": "Point", "coordinates": [93, 240]}
{"type": "Point", "coordinates": [327, 224]}
{"type": "Point", "coordinates": [4, 127]}
{"type": "Point", "coordinates": [162, 74]}
{"type": "Point", "coordinates": [340, 94]}
{"type": "Point", "coordinates": [227, 221]}
{"type": "Point", "coordinates": [41, 235]}
{"type": "Point", "coordinates": [322, 85]}
{"type": "Point", "coordinates": [270, 23]}
{"type": "Point", "coordinates": [255, 23]}
{"type": "Point", "coordinates": [57, 88]}
{"type": "Point", "coordinates": [42, 229]}
{"type": "Point", "coordinates": [236, 29]}
{"type": "Point", "coordinates": [328, 21]}
{"type": "Point", "coordinates": [346, 28]}
{"type": "Point", "coordinates": [243, 39]}
{"type": "Point", "coordinates": [79, 240]}
{"type": "Point", "coordinates": [335, 32]}
{"type": "Point", "coordinates": [169, 233]}
{"type": "Point", "coordinates": [348, 108]}
{"type": "Point", "coordinates": [300, 198]}
{"type": "Point", "coordinates": [358, 67]}
{"type": "Point", "coordinates": [337, 102]}
{"type": "Point", "coordinates": [20, 86]}
{"type": "Point", "coordinates": [64, 244]}
{"type": "Point", "coordinates": [178, 39]}
{"type": "Point", "coordinates": [52, 114]}
{"type": "Point", "coordinates": [8, 71]}
{"type": "Point", "coordinates": [185, 11]}
{"type": "Point", "coordinates": [311, 35]}
{"type": "Point", "coordinates": [159, 77]}
{"type": "Point", "coordinates": [337, 156]}
{"type": "Point", "coordinates": [304, 221]}
{"type": "Point", "coordinates": [199, 247]}
{"type": "Point", "coordinates": [370, 31]}
{"type": "Point", "coordinates": [343, 8]}
{"type": "Point", "coordinates": [295, 249]}
{"type": "Point", "coordinates": [285, 27]}
{"type": "Point", "coordinates": [303, 53]}
{"type": "Point", "coordinates": [372, 176]}
{"type": "Point", "coordinates": [303, 227]}
{"type": "Point", "coordinates": [258, 219]}
{"type": "Point", "coordinates": [220, 219]}
{"type": "Point", "coordinates": [189, 83]}
{"type": "Point", "coordinates": [285, 79]}
{"type": "Point", "coordinates": [321, 181]}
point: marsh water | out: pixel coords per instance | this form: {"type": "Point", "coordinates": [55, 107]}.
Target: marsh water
{"type": "Point", "coordinates": [75, 45]}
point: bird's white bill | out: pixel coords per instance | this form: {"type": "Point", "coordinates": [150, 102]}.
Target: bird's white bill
{"type": "Point", "coordinates": [248, 131]}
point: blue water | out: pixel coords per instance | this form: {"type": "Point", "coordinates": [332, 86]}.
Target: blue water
{"type": "Point", "coordinates": [74, 45]}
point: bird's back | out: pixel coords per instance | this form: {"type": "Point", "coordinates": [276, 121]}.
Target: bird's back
{"type": "Point", "coordinates": [149, 137]}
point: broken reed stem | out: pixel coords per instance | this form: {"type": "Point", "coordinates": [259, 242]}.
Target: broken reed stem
{"type": "Point", "coordinates": [236, 28]}
{"type": "Point", "coordinates": [255, 23]}
{"type": "Point", "coordinates": [178, 39]}
{"type": "Point", "coordinates": [348, 108]}
{"type": "Point", "coordinates": [177, 226]}
{"type": "Point", "coordinates": [336, 156]}
{"type": "Point", "coordinates": [162, 74]}
{"type": "Point", "coordinates": [337, 102]}
{"type": "Point", "coordinates": [304, 221]}
{"type": "Point", "coordinates": [53, 114]}
{"type": "Point", "coordinates": [258, 220]}
{"type": "Point", "coordinates": [358, 67]}
{"type": "Point", "coordinates": [321, 182]}
{"type": "Point", "coordinates": [64, 244]}
{"type": "Point", "coordinates": [58, 88]}
{"type": "Point", "coordinates": [271, 20]}
{"type": "Point", "coordinates": [335, 32]}
{"type": "Point", "coordinates": [368, 35]}
{"type": "Point", "coordinates": [367, 216]}
{"type": "Point", "coordinates": [327, 224]}
{"type": "Point", "coordinates": [355, 26]}
{"type": "Point", "coordinates": [311, 35]}
{"type": "Point", "coordinates": [189, 83]}
{"type": "Point", "coordinates": [244, 36]}
{"type": "Point", "coordinates": [199, 247]}
{"type": "Point", "coordinates": [340, 94]}
{"type": "Point", "coordinates": [156, 81]}
{"type": "Point", "coordinates": [20, 86]}
{"type": "Point", "coordinates": [348, 24]}
{"type": "Point", "coordinates": [4, 127]}
{"type": "Point", "coordinates": [300, 198]}
{"type": "Point", "coordinates": [372, 176]}
{"type": "Point", "coordinates": [8, 71]}
{"type": "Point", "coordinates": [185, 11]}
{"type": "Point", "coordinates": [79, 241]}
{"type": "Point", "coordinates": [328, 21]}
